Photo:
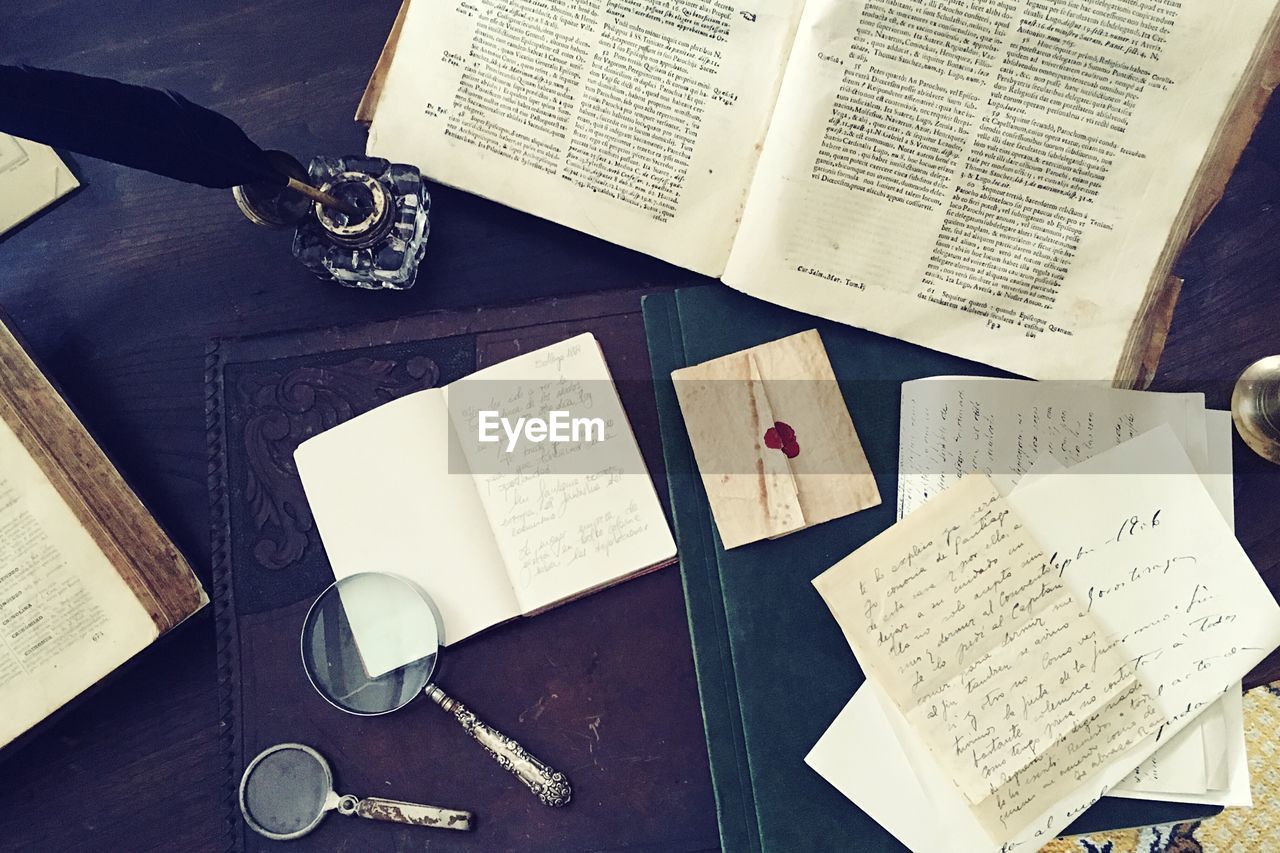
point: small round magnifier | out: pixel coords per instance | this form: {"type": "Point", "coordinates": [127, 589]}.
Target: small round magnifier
{"type": "Point", "coordinates": [370, 644]}
{"type": "Point", "coordinates": [288, 789]}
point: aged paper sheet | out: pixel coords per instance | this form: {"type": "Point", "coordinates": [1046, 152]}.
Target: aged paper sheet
{"type": "Point", "coordinates": [32, 177]}
{"type": "Point", "coordinates": [1018, 695]}
{"type": "Point", "coordinates": [67, 618]}
{"type": "Point", "coordinates": [1222, 729]}
{"type": "Point", "coordinates": [1170, 583]}
{"type": "Point", "coordinates": [883, 784]}
{"type": "Point", "coordinates": [1238, 592]}
{"type": "Point", "coordinates": [953, 425]}
{"type": "Point", "coordinates": [731, 405]}
{"type": "Point", "coordinates": [637, 122]}
{"type": "Point", "coordinates": [999, 181]}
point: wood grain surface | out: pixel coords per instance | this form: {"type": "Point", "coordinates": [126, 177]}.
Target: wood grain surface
{"type": "Point", "coordinates": [119, 286]}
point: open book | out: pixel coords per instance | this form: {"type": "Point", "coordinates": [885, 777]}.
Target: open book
{"type": "Point", "coordinates": [87, 577]}
{"type": "Point", "coordinates": [491, 530]}
{"type": "Point", "coordinates": [1007, 181]}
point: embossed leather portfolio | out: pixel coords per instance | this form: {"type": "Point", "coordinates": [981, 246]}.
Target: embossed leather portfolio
{"type": "Point", "coordinates": [603, 688]}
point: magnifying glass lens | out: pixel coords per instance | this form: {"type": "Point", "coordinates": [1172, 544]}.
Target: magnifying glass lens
{"type": "Point", "coordinates": [369, 643]}
{"type": "Point", "coordinates": [284, 792]}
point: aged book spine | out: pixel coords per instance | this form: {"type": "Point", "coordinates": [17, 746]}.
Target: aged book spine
{"type": "Point", "coordinates": [157, 574]}
{"type": "Point", "coordinates": [224, 608]}
{"type": "Point", "coordinates": [1150, 328]}
{"type": "Point", "coordinates": [373, 91]}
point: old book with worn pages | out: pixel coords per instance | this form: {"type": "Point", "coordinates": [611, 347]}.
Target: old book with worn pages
{"type": "Point", "coordinates": [1007, 182]}
{"type": "Point", "coordinates": [87, 577]}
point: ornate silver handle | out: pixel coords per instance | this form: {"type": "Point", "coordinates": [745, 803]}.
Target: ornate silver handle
{"type": "Point", "coordinates": [551, 786]}
{"type": "Point", "coordinates": [376, 808]}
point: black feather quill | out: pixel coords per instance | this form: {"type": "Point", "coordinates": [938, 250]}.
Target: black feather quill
{"type": "Point", "coordinates": [149, 129]}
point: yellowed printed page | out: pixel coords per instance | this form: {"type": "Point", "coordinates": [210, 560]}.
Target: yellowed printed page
{"type": "Point", "coordinates": [638, 122]}
{"type": "Point", "coordinates": [67, 618]}
{"type": "Point", "coordinates": [959, 615]}
{"type": "Point", "coordinates": [994, 179]}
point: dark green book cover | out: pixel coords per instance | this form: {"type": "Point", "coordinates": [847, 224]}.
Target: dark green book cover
{"type": "Point", "coordinates": [773, 668]}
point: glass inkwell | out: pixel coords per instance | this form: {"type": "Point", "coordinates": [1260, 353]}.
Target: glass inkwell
{"type": "Point", "coordinates": [366, 227]}
{"type": "Point", "coordinates": [1255, 408]}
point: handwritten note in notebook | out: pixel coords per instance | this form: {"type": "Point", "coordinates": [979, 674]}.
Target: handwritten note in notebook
{"type": "Point", "coordinates": [490, 534]}
{"type": "Point", "coordinates": [568, 517]}
{"type": "Point", "coordinates": [1086, 504]}
{"type": "Point", "coordinates": [961, 618]}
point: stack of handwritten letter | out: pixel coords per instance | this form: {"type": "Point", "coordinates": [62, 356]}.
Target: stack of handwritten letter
{"type": "Point", "coordinates": [1071, 621]}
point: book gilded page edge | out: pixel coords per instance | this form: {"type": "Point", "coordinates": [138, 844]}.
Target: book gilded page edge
{"type": "Point", "coordinates": [600, 587]}
{"type": "Point", "coordinates": [373, 90]}
{"type": "Point", "coordinates": [1150, 329]}
{"type": "Point", "coordinates": [113, 515]}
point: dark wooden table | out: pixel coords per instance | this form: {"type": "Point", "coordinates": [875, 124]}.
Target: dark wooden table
{"type": "Point", "coordinates": [118, 288]}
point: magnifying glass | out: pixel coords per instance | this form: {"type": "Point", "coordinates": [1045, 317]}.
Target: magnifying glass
{"type": "Point", "coordinates": [288, 789]}
{"type": "Point", "coordinates": [370, 644]}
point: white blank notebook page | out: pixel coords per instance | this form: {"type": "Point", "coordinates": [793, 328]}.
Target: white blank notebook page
{"type": "Point", "coordinates": [384, 501]}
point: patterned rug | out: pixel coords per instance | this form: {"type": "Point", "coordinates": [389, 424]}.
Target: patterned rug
{"type": "Point", "coordinates": [1255, 830]}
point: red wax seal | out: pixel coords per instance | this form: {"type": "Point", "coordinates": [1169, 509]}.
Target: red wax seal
{"type": "Point", "coordinates": [782, 437]}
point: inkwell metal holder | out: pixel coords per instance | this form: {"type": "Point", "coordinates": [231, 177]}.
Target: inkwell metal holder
{"type": "Point", "coordinates": [360, 221]}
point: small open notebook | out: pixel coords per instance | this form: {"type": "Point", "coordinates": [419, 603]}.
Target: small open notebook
{"type": "Point", "coordinates": [490, 533]}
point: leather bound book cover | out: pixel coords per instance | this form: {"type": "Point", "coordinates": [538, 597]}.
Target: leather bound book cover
{"type": "Point", "coordinates": [602, 688]}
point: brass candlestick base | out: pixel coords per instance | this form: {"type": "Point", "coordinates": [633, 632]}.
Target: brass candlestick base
{"type": "Point", "coordinates": [1255, 408]}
